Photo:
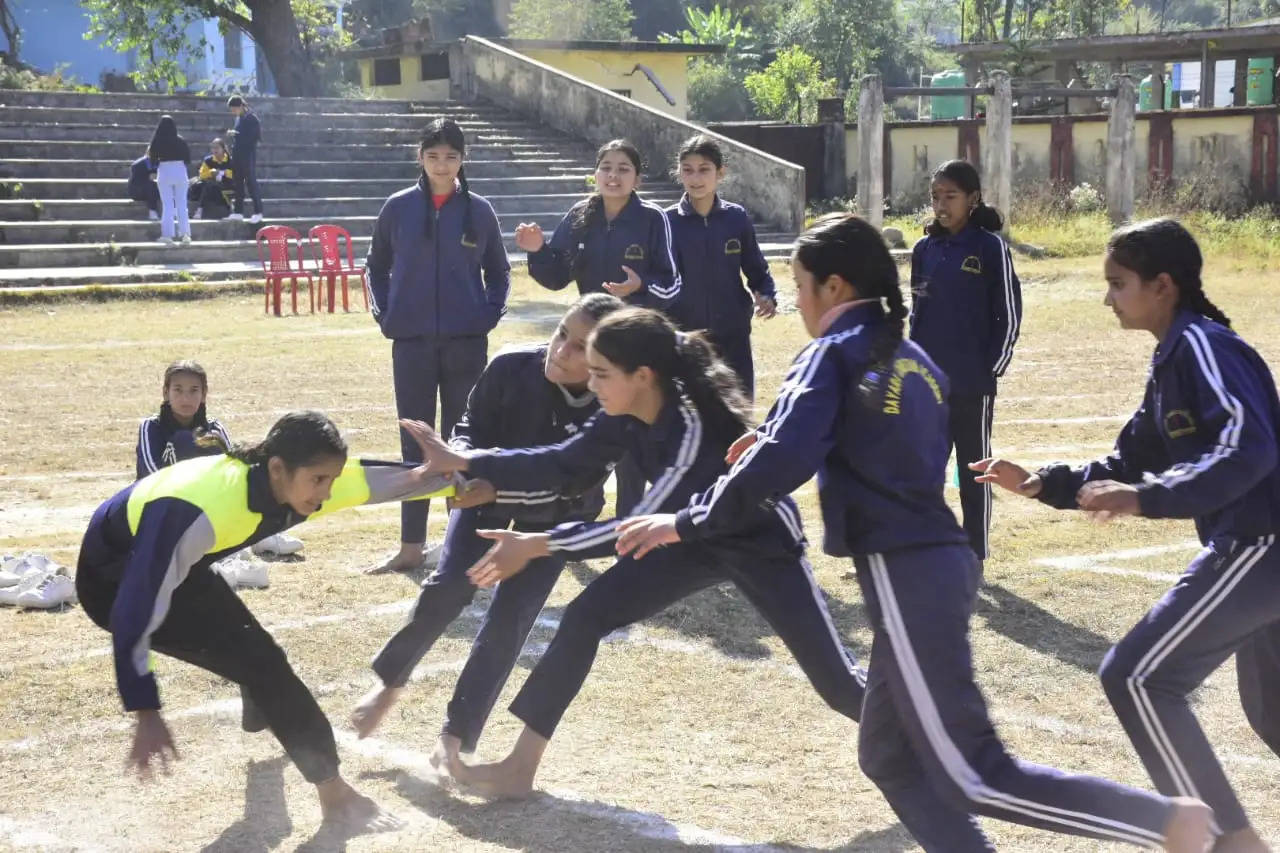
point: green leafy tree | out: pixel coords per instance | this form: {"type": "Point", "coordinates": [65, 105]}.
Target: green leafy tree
{"type": "Point", "coordinates": [716, 90]}
{"type": "Point", "coordinates": [790, 86]}
{"type": "Point", "coordinates": [847, 37]}
{"type": "Point", "coordinates": [157, 30]}
{"type": "Point", "coordinates": [603, 20]}
{"type": "Point", "coordinates": [719, 26]}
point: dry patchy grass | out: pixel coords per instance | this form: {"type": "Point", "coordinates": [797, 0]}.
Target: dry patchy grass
{"type": "Point", "coordinates": [693, 732]}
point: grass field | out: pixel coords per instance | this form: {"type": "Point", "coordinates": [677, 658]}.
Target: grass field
{"type": "Point", "coordinates": [694, 731]}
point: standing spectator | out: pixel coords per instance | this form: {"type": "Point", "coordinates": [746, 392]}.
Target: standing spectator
{"type": "Point", "coordinates": [244, 157]}
{"type": "Point", "coordinates": [142, 185]}
{"type": "Point", "coordinates": [171, 154]}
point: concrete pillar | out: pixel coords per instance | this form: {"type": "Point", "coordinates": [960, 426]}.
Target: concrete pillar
{"type": "Point", "coordinates": [462, 86]}
{"type": "Point", "coordinates": [835, 180]}
{"type": "Point", "coordinates": [1206, 76]}
{"type": "Point", "coordinates": [1157, 86]}
{"type": "Point", "coordinates": [871, 150]}
{"type": "Point", "coordinates": [997, 155]}
{"type": "Point", "coordinates": [1121, 150]}
{"type": "Point", "coordinates": [1241, 82]}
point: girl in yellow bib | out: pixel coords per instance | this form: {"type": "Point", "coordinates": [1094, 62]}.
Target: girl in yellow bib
{"type": "Point", "coordinates": [144, 576]}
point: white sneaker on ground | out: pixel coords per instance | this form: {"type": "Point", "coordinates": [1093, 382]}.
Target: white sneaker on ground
{"type": "Point", "coordinates": [52, 591]}
{"type": "Point", "coordinates": [280, 543]}
{"type": "Point", "coordinates": [431, 557]}
{"type": "Point", "coordinates": [14, 569]}
{"type": "Point", "coordinates": [252, 574]}
{"type": "Point", "coordinates": [256, 218]}
{"type": "Point", "coordinates": [153, 216]}
{"type": "Point", "coordinates": [165, 241]}
{"type": "Point", "coordinates": [10, 594]}
{"type": "Point", "coordinates": [236, 217]}
{"type": "Point", "coordinates": [186, 238]}
{"type": "Point", "coordinates": [199, 214]}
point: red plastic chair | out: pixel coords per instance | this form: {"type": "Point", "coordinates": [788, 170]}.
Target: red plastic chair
{"type": "Point", "coordinates": [277, 265]}
{"type": "Point", "coordinates": [326, 251]}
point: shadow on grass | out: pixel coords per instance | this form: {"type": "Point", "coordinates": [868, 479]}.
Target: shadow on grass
{"type": "Point", "coordinates": [1030, 625]}
{"type": "Point", "coordinates": [266, 814]}
{"type": "Point", "coordinates": [551, 823]}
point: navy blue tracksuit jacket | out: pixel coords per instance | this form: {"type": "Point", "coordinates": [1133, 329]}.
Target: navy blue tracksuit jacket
{"type": "Point", "coordinates": [878, 466]}
{"type": "Point", "coordinates": [713, 253]}
{"type": "Point", "coordinates": [638, 237]}
{"type": "Point", "coordinates": [142, 187]}
{"type": "Point", "coordinates": [162, 441]}
{"type": "Point", "coordinates": [1202, 445]}
{"type": "Point", "coordinates": [248, 132]}
{"type": "Point", "coordinates": [514, 405]}
{"type": "Point", "coordinates": [966, 306]}
{"type": "Point", "coordinates": [439, 287]}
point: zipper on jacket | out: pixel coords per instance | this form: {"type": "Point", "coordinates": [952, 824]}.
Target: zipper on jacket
{"type": "Point", "coordinates": [435, 250]}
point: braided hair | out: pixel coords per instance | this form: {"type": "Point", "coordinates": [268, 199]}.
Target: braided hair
{"type": "Point", "coordinates": [589, 211]}
{"type": "Point", "coordinates": [846, 245]}
{"type": "Point", "coordinates": [299, 438]}
{"type": "Point", "coordinates": [1165, 246]}
{"type": "Point", "coordinates": [685, 363]}
{"type": "Point", "coordinates": [445, 131]}
{"type": "Point", "coordinates": [965, 176]}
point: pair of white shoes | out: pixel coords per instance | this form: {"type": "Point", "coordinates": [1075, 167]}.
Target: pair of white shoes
{"type": "Point", "coordinates": [239, 217]}
{"type": "Point", "coordinates": [242, 571]}
{"type": "Point", "coordinates": [169, 241]}
{"type": "Point", "coordinates": [33, 580]}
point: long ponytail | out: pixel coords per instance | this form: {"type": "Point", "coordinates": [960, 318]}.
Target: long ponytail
{"type": "Point", "coordinates": [1165, 246]}
{"type": "Point", "coordinates": [299, 438]}
{"type": "Point", "coordinates": [685, 362]}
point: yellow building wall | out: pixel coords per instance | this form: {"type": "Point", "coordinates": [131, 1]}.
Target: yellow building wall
{"type": "Point", "coordinates": [916, 152]}
{"type": "Point", "coordinates": [611, 69]}
{"type": "Point", "coordinates": [1030, 153]}
{"type": "Point", "coordinates": [411, 88]}
{"type": "Point", "coordinates": [1089, 147]}
{"type": "Point", "coordinates": [1213, 144]}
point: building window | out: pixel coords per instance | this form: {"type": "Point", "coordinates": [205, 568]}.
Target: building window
{"type": "Point", "coordinates": [626, 93]}
{"type": "Point", "coordinates": [233, 47]}
{"type": "Point", "coordinates": [435, 66]}
{"type": "Point", "coordinates": [386, 72]}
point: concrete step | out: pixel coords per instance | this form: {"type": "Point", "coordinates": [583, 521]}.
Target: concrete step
{"type": "Point", "coordinates": [263, 104]}
{"type": "Point", "coordinates": [140, 135]}
{"type": "Point", "coordinates": [100, 209]}
{"type": "Point", "coordinates": [403, 168]}
{"type": "Point", "coordinates": [16, 258]}
{"type": "Point", "coordinates": [103, 188]}
{"type": "Point", "coordinates": [205, 121]}
{"type": "Point", "coordinates": [140, 230]}
{"type": "Point", "coordinates": [57, 150]}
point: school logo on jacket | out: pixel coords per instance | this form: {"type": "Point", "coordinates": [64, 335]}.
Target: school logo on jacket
{"type": "Point", "coordinates": [972, 264]}
{"type": "Point", "coordinates": [1179, 423]}
{"type": "Point", "coordinates": [634, 252]}
{"type": "Point", "coordinates": [733, 246]}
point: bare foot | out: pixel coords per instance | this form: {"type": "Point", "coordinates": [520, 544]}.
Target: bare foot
{"type": "Point", "coordinates": [344, 807]}
{"type": "Point", "coordinates": [444, 758]}
{"type": "Point", "coordinates": [1187, 830]}
{"type": "Point", "coordinates": [508, 779]}
{"type": "Point", "coordinates": [408, 559]}
{"type": "Point", "coordinates": [372, 708]}
{"type": "Point", "coordinates": [1241, 841]}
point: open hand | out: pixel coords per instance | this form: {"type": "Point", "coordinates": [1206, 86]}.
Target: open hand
{"type": "Point", "coordinates": [511, 552]}
{"type": "Point", "coordinates": [437, 456]}
{"type": "Point", "coordinates": [741, 445]}
{"type": "Point", "coordinates": [624, 289]}
{"type": "Point", "coordinates": [1007, 475]}
{"type": "Point", "coordinates": [640, 534]}
{"type": "Point", "coordinates": [1107, 499]}
{"type": "Point", "coordinates": [766, 307]}
{"type": "Point", "coordinates": [473, 493]}
{"type": "Point", "coordinates": [151, 739]}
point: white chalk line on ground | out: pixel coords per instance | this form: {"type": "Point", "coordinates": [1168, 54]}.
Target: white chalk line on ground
{"type": "Point", "coordinates": [1099, 563]}
{"type": "Point", "coordinates": [30, 835]}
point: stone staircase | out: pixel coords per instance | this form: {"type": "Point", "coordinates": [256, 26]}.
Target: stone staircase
{"type": "Point", "coordinates": [65, 219]}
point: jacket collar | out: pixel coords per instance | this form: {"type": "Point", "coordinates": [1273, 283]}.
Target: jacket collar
{"type": "Point", "coordinates": [850, 314]}
{"type": "Point", "coordinates": [967, 234]}
{"type": "Point", "coordinates": [261, 500]}
{"type": "Point", "coordinates": [1166, 347]}
{"type": "Point", "coordinates": [686, 207]}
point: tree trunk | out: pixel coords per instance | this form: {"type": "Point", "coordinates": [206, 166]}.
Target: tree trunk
{"type": "Point", "coordinates": [1008, 19]}
{"type": "Point", "coordinates": [276, 31]}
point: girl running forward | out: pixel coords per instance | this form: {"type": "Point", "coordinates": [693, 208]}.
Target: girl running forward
{"type": "Point", "coordinates": [144, 576]}
{"type": "Point", "coordinates": [1202, 445]}
{"type": "Point", "coordinates": [527, 396]}
{"type": "Point", "coordinates": [966, 309]}
{"type": "Point", "coordinates": [666, 399]}
{"type": "Point", "coordinates": [439, 276]}
{"type": "Point", "coordinates": [867, 412]}
{"type": "Point", "coordinates": [715, 245]}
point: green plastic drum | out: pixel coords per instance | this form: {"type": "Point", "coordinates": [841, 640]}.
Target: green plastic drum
{"type": "Point", "coordinates": [948, 107]}
{"type": "Point", "coordinates": [1260, 89]}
